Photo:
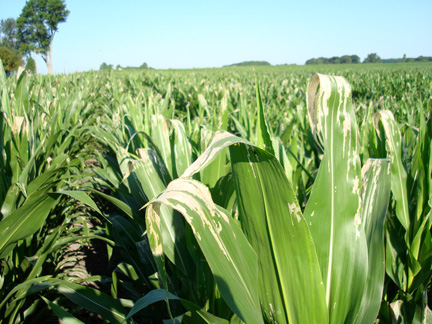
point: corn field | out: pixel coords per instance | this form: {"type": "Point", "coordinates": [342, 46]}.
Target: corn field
{"type": "Point", "coordinates": [289, 194]}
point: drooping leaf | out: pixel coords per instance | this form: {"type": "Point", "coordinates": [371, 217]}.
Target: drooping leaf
{"type": "Point", "coordinates": [221, 140]}
{"type": "Point", "coordinates": [93, 300]}
{"type": "Point", "coordinates": [64, 316]}
{"type": "Point", "coordinates": [157, 295]}
{"type": "Point", "coordinates": [82, 197]}
{"type": "Point", "coordinates": [26, 220]}
{"type": "Point", "coordinates": [231, 258]}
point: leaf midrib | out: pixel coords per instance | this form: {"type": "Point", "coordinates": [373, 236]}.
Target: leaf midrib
{"type": "Point", "coordinates": [332, 198]}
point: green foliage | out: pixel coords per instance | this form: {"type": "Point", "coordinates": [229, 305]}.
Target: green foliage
{"type": "Point", "coordinates": [346, 59]}
{"type": "Point", "coordinates": [301, 267]}
{"type": "Point", "coordinates": [251, 63]}
{"type": "Point", "coordinates": [41, 154]}
{"type": "Point", "coordinates": [372, 58]}
{"type": "Point", "coordinates": [141, 141]}
{"type": "Point", "coordinates": [408, 236]}
{"type": "Point", "coordinates": [37, 26]}
{"type": "Point", "coordinates": [8, 31]}
{"type": "Point", "coordinates": [31, 65]}
{"type": "Point", "coordinates": [11, 59]}
{"type": "Point", "coordinates": [105, 66]}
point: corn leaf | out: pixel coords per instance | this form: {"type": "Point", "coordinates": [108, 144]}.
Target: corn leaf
{"type": "Point", "coordinates": [25, 220]}
{"type": "Point", "coordinates": [211, 174]}
{"type": "Point", "coordinates": [333, 210]}
{"type": "Point", "coordinates": [150, 177]}
{"type": "Point", "coordinates": [93, 300]}
{"type": "Point", "coordinates": [290, 282]}
{"type": "Point", "coordinates": [399, 175]}
{"type": "Point", "coordinates": [229, 255]}
{"type": "Point", "coordinates": [262, 133]}
{"type": "Point", "coordinates": [157, 295]}
{"type": "Point", "coordinates": [375, 195]}
{"type": "Point", "coordinates": [221, 140]}
{"type": "Point", "coordinates": [127, 236]}
{"type": "Point", "coordinates": [82, 197]}
{"type": "Point", "coordinates": [161, 138]}
{"type": "Point", "coordinates": [181, 149]}
{"type": "Point", "coordinates": [64, 316]}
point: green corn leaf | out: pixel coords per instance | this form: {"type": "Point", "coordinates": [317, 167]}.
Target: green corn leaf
{"type": "Point", "coordinates": [211, 174]}
{"type": "Point", "coordinates": [223, 193]}
{"type": "Point", "coordinates": [25, 220]}
{"type": "Point", "coordinates": [127, 236]}
{"type": "Point", "coordinates": [125, 208]}
{"type": "Point", "coordinates": [223, 113]}
{"type": "Point", "coordinates": [4, 95]}
{"type": "Point", "coordinates": [221, 140]}
{"type": "Point", "coordinates": [10, 200]}
{"type": "Point", "coordinates": [333, 210]}
{"type": "Point", "coordinates": [21, 93]}
{"type": "Point", "coordinates": [229, 255]}
{"type": "Point", "coordinates": [290, 282]}
{"type": "Point", "coordinates": [157, 295]}
{"type": "Point", "coordinates": [375, 195]}
{"type": "Point", "coordinates": [93, 300]}
{"type": "Point", "coordinates": [152, 297]}
{"type": "Point", "coordinates": [181, 150]}
{"type": "Point", "coordinates": [396, 253]}
{"type": "Point", "coordinates": [161, 138]}
{"type": "Point", "coordinates": [64, 316]}
{"type": "Point", "coordinates": [262, 133]}
{"type": "Point", "coordinates": [82, 197]}
{"type": "Point", "coordinates": [150, 177]}
{"type": "Point", "coordinates": [399, 175]}
{"type": "Point", "coordinates": [27, 288]}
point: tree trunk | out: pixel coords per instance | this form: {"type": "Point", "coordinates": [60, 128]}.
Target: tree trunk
{"type": "Point", "coordinates": [36, 70]}
{"type": "Point", "coordinates": [49, 56]}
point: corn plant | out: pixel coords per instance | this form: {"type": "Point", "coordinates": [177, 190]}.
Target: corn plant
{"type": "Point", "coordinates": [39, 163]}
{"type": "Point", "coordinates": [408, 230]}
{"type": "Point", "coordinates": [140, 177]}
{"type": "Point", "coordinates": [321, 266]}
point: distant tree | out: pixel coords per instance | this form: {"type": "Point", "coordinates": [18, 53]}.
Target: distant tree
{"type": "Point", "coordinates": [37, 26]}
{"type": "Point", "coordinates": [422, 59]}
{"type": "Point", "coordinates": [372, 58]}
{"type": "Point", "coordinates": [8, 33]}
{"type": "Point", "coordinates": [346, 59]}
{"type": "Point", "coordinates": [11, 59]}
{"type": "Point", "coordinates": [31, 65]}
{"type": "Point", "coordinates": [311, 61]}
{"type": "Point", "coordinates": [143, 66]}
{"type": "Point", "coordinates": [251, 63]}
{"type": "Point", "coordinates": [355, 59]}
{"type": "Point", "coordinates": [105, 66]}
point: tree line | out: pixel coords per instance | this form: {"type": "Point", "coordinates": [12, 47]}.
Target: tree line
{"type": "Point", "coordinates": [371, 58]}
{"type": "Point", "coordinates": [31, 34]}
{"type": "Point", "coordinates": [105, 66]}
{"type": "Point", "coordinates": [249, 63]}
{"type": "Point", "coordinates": [346, 59]}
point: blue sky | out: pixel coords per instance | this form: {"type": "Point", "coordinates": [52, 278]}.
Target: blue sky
{"type": "Point", "coordinates": [195, 34]}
